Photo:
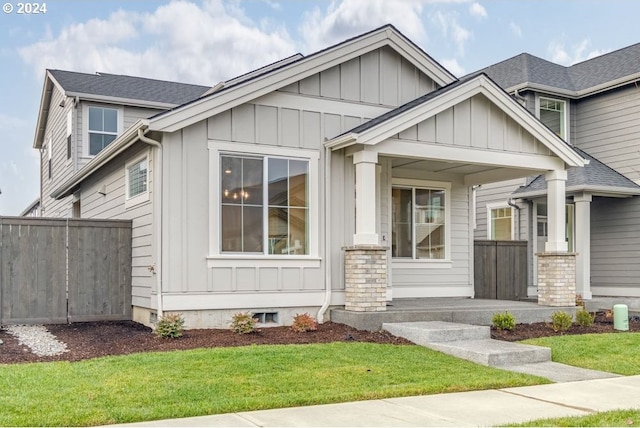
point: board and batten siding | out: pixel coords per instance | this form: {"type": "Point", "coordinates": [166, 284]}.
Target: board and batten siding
{"type": "Point", "coordinates": [111, 205]}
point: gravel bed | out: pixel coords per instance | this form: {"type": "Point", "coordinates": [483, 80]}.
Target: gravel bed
{"type": "Point", "coordinates": [38, 339]}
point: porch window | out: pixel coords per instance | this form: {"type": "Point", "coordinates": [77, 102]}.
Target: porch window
{"type": "Point", "coordinates": [552, 112]}
{"type": "Point", "coordinates": [418, 223]}
{"type": "Point", "coordinates": [264, 205]}
{"type": "Point", "coordinates": [500, 223]}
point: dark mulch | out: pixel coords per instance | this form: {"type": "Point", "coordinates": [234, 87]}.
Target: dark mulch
{"type": "Point", "coordinates": [97, 339]}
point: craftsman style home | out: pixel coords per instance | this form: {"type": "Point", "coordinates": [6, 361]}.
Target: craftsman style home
{"type": "Point", "coordinates": [341, 178]}
{"type": "Point", "coordinates": [595, 107]}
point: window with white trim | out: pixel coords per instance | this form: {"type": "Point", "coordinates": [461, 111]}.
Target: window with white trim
{"type": "Point", "coordinates": [264, 205]}
{"type": "Point", "coordinates": [500, 222]}
{"type": "Point", "coordinates": [103, 127]}
{"type": "Point", "coordinates": [137, 180]}
{"type": "Point", "coordinates": [419, 222]}
{"type": "Point", "coordinates": [553, 113]}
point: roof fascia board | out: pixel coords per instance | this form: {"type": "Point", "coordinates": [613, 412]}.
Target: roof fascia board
{"type": "Point", "coordinates": [262, 85]}
{"type": "Point", "coordinates": [613, 192]}
{"type": "Point", "coordinates": [43, 109]}
{"type": "Point", "coordinates": [612, 84]}
{"type": "Point", "coordinates": [467, 90]}
{"type": "Point", "coordinates": [121, 101]}
{"type": "Point", "coordinates": [124, 141]}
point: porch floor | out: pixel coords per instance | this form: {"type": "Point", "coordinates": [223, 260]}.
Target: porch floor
{"type": "Point", "coordinates": [450, 309]}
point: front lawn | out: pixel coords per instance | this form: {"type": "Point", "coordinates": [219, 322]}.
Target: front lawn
{"type": "Point", "coordinates": [614, 418]}
{"type": "Point", "coordinates": [609, 352]}
{"type": "Point", "coordinates": [150, 386]}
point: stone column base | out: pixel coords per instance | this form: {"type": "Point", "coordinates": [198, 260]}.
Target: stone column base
{"type": "Point", "coordinates": [556, 279]}
{"type": "Point", "coordinates": [365, 278]}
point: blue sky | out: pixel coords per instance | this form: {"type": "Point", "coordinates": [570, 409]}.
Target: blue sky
{"type": "Point", "coordinates": [207, 41]}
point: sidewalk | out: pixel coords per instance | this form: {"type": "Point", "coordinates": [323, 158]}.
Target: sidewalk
{"type": "Point", "coordinates": [476, 408]}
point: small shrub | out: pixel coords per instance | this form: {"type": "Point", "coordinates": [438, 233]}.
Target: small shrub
{"type": "Point", "coordinates": [585, 318]}
{"type": "Point", "coordinates": [170, 326]}
{"type": "Point", "coordinates": [244, 323]}
{"type": "Point", "coordinates": [504, 321]}
{"type": "Point", "coordinates": [561, 321]}
{"type": "Point", "coordinates": [303, 323]}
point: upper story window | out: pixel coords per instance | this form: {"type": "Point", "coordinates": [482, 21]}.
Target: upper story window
{"type": "Point", "coordinates": [103, 127]}
{"type": "Point", "coordinates": [553, 113]}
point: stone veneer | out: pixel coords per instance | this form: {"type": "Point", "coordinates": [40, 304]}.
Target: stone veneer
{"type": "Point", "coordinates": [365, 278]}
{"type": "Point", "coordinates": [556, 279]}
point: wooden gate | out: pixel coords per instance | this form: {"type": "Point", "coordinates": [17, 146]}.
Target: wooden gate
{"type": "Point", "coordinates": [500, 270]}
{"type": "Point", "coordinates": [64, 270]}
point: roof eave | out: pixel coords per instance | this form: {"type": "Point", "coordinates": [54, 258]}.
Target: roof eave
{"type": "Point", "coordinates": [124, 101]}
{"type": "Point", "coordinates": [342, 141]}
{"type": "Point", "coordinates": [609, 191]}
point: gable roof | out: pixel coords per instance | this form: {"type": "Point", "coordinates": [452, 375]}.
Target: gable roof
{"type": "Point", "coordinates": [595, 177]}
{"type": "Point", "coordinates": [239, 91]}
{"type": "Point", "coordinates": [113, 88]}
{"type": "Point", "coordinates": [581, 79]}
{"type": "Point", "coordinates": [413, 112]}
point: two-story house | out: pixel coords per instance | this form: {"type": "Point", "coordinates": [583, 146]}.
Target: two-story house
{"type": "Point", "coordinates": [340, 178]}
{"type": "Point", "coordinates": [595, 106]}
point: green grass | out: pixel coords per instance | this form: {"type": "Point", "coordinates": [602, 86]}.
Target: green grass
{"type": "Point", "coordinates": [614, 418]}
{"type": "Point", "coordinates": [610, 352]}
{"type": "Point", "coordinates": [151, 386]}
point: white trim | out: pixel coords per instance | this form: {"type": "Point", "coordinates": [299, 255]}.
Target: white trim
{"type": "Point", "coordinates": [85, 125]}
{"type": "Point", "coordinates": [565, 119]}
{"type": "Point", "coordinates": [217, 148]}
{"type": "Point", "coordinates": [266, 261]}
{"type": "Point", "coordinates": [240, 300]}
{"type": "Point", "coordinates": [499, 205]}
{"type": "Point", "coordinates": [130, 201]}
{"type": "Point", "coordinates": [429, 184]}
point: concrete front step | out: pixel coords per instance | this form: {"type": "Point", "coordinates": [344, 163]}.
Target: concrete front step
{"type": "Point", "coordinates": [469, 342]}
{"type": "Point", "coordinates": [494, 353]}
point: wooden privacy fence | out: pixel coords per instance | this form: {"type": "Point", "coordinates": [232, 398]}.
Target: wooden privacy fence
{"type": "Point", "coordinates": [64, 270]}
{"type": "Point", "coordinates": [500, 269]}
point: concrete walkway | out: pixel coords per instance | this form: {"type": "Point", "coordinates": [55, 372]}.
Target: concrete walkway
{"type": "Point", "coordinates": [477, 408]}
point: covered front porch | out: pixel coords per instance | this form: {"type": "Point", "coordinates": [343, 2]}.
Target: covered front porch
{"type": "Point", "coordinates": [415, 169]}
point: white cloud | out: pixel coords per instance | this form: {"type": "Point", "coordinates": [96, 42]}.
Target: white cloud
{"type": "Point", "coordinates": [200, 43]}
{"type": "Point", "coordinates": [450, 28]}
{"type": "Point", "coordinates": [348, 18]}
{"type": "Point", "coordinates": [515, 29]}
{"type": "Point", "coordinates": [476, 9]}
{"type": "Point", "coordinates": [577, 53]}
{"type": "Point", "coordinates": [453, 66]}
{"type": "Point", "coordinates": [11, 123]}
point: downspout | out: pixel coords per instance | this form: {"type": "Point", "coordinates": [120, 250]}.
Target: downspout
{"type": "Point", "coordinates": [157, 215]}
{"type": "Point", "coordinates": [327, 237]}
{"type": "Point", "coordinates": [516, 221]}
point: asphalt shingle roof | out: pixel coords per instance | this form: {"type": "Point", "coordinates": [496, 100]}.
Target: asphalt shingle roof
{"type": "Point", "coordinates": [128, 87]}
{"type": "Point", "coordinates": [596, 174]}
{"type": "Point", "coordinates": [527, 68]}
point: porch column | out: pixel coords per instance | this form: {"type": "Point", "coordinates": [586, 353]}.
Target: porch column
{"type": "Point", "coordinates": [365, 163]}
{"type": "Point", "coordinates": [365, 263]}
{"type": "Point", "coordinates": [556, 222]}
{"type": "Point", "coordinates": [556, 267]}
{"type": "Point", "coordinates": [583, 244]}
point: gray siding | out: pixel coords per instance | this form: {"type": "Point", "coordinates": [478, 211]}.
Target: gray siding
{"type": "Point", "coordinates": [608, 126]}
{"type": "Point", "coordinates": [112, 206]}
{"type": "Point", "coordinates": [615, 246]}
{"type": "Point", "coordinates": [494, 193]}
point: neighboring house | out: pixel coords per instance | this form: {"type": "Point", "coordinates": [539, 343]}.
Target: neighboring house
{"type": "Point", "coordinates": [344, 177]}
{"type": "Point", "coordinates": [32, 210]}
{"type": "Point", "coordinates": [595, 106]}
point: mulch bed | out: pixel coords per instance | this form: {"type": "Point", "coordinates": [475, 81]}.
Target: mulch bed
{"type": "Point", "coordinates": [97, 339]}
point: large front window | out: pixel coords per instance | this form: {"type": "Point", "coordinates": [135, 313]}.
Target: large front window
{"type": "Point", "coordinates": [553, 114]}
{"type": "Point", "coordinates": [418, 223]}
{"type": "Point", "coordinates": [265, 205]}
{"type": "Point", "coordinates": [103, 128]}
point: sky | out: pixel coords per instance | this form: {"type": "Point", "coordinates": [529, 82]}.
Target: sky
{"type": "Point", "coordinates": [208, 41]}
